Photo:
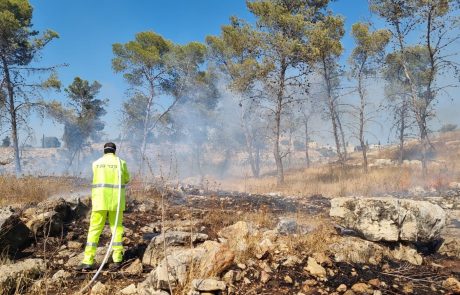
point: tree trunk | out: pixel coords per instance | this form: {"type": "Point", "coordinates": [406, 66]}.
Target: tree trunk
{"type": "Point", "coordinates": [145, 134]}
{"type": "Point", "coordinates": [361, 122]}
{"type": "Point", "coordinates": [415, 99]}
{"type": "Point", "coordinates": [307, 139]}
{"type": "Point", "coordinates": [276, 143]}
{"type": "Point", "coordinates": [402, 130]}
{"type": "Point", "coordinates": [253, 161]}
{"type": "Point", "coordinates": [332, 110]}
{"type": "Point", "coordinates": [276, 148]}
{"type": "Point", "coordinates": [342, 136]}
{"type": "Point", "coordinates": [13, 119]}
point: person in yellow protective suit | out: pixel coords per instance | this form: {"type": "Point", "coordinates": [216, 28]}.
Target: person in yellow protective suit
{"type": "Point", "coordinates": [104, 203]}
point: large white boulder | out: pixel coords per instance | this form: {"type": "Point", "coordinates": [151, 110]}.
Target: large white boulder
{"type": "Point", "coordinates": [210, 258]}
{"type": "Point", "coordinates": [389, 219]}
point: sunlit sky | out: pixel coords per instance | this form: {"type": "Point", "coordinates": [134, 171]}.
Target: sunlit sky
{"type": "Point", "coordinates": [88, 28]}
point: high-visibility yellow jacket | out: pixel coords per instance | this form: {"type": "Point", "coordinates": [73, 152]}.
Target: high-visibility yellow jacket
{"type": "Point", "coordinates": [105, 183]}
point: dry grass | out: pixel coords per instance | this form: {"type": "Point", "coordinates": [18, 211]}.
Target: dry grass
{"type": "Point", "coordinates": [15, 191]}
{"type": "Point", "coordinates": [318, 241]}
{"type": "Point", "coordinates": [334, 181]}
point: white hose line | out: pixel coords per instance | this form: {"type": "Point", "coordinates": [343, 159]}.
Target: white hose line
{"type": "Point", "coordinates": [106, 257]}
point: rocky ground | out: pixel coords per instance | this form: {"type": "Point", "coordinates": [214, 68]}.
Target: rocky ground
{"type": "Point", "coordinates": [232, 243]}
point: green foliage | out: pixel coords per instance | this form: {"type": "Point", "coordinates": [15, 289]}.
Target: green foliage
{"type": "Point", "coordinates": [417, 61]}
{"type": "Point", "coordinates": [369, 48]}
{"type": "Point", "coordinates": [19, 43]}
{"type": "Point", "coordinates": [82, 117]}
{"type": "Point", "coordinates": [19, 46]}
{"type": "Point", "coordinates": [141, 58]}
{"type": "Point", "coordinates": [324, 38]}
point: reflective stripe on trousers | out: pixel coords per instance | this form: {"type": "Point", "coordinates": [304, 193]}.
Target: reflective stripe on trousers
{"type": "Point", "coordinates": [96, 227]}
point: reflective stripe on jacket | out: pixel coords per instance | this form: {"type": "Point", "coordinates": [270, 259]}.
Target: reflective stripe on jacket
{"type": "Point", "coordinates": [105, 183]}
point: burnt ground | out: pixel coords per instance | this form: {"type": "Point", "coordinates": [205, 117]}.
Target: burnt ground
{"type": "Point", "coordinates": [394, 276]}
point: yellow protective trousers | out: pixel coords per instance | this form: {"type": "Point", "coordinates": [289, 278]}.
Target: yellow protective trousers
{"type": "Point", "coordinates": [97, 222]}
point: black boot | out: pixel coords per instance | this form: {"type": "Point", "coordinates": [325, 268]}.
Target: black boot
{"type": "Point", "coordinates": [84, 267]}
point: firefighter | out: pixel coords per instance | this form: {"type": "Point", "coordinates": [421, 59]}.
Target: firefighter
{"type": "Point", "coordinates": [104, 203]}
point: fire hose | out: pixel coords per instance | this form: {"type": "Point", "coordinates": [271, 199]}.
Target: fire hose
{"type": "Point", "coordinates": [106, 257]}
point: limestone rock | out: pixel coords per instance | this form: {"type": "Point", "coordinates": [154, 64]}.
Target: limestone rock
{"type": "Point", "coordinates": [175, 240]}
{"type": "Point", "coordinates": [208, 285]}
{"type": "Point", "coordinates": [452, 285]}
{"type": "Point", "coordinates": [210, 258]}
{"type": "Point", "coordinates": [19, 276]}
{"type": "Point", "coordinates": [99, 289]}
{"type": "Point", "coordinates": [291, 260]}
{"type": "Point", "coordinates": [48, 217]}
{"type": "Point", "coordinates": [389, 219]}
{"type": "Point", "coordinates": [178, 238]}
{"type": "Point", "coordinates": [130, 290]}
{"type": "Point", "coordinates": [14, 235]}
{"type": "Point", "coordinates": [406, 253]}
{"type": "Point", "coordinates": [342, 288]}
{"type": "Point", "coordinates": [315, 269]}
{"type": "Point", "coordinates": [287, 226]}
{"type": "Point", "coordinates": [356, 250]}
{"type": "Point", "coordinates": [361, 288]}
{"type": "Point", "coordinates": [450, 247]}
{"type": "Point", "coordinates": [134, 268]}
{"type": "Point", "coordinates": [236, 235]}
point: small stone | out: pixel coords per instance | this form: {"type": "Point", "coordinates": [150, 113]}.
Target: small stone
{"type": "Point", "coordinates": [74, 245]}
{"type": "Point", "coordinates": [291, 261]}
{"type": "Point", "coordinates": [377, 292]}
{"type": "Point", "coordinates": [246, 281]}
{"type": "Point", "coordinates": [341, 288]}
{"type": "Point", "coordinates": [315, 269]}
{"type": "Point", "coordinates": [135, 268]}
{"type": "Point", "coordinates": [208, 285]}
{"type": "Point", "coordinates": [354, 273]}
{"type": "Point", "coordinates": [321, 258]}
{"type": "Point", "coordinates": [241, 265]}
{"type": "Point", "coordinates": [310, 282]}
{"type": "Point", "coordinates": [99, 289]}
{"type": "Point", "coordinates": [374, 282]}
{"type": "Point", "coordinates": [288, 279]}
{"type": "Point", "coordinates": [452, 285]}
{"type": "Point", "coordinates": [130, 290]}
{"type": "Point", "coordinates": [408, 288]}
{"type": "Point", "coordinates": [264, 277]}
{"type": "Point", "coordinates": [349, 292]}
{"type": "Point", "coordinates": [229, 277]}
{"type": "Point", "coordinates": [361, 288]}
{"type": "Point", "coordinates": [61, 275]}
{"type": "Point", "coordinates": [306, 288]}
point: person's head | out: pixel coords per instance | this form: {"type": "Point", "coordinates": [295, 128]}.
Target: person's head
{"type": "Point", "coordinates": [110, 147]}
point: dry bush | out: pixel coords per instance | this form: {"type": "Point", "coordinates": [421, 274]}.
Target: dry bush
{"type": "Point", "coordinates": [16, 191]}
{"type": "Point", "coordinates": [317, 241]}
{"type": "Point", "coordinates": [219, 219]}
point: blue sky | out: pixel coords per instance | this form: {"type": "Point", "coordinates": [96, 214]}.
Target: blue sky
{"type": "Point", "coordinates": [88, 28]}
